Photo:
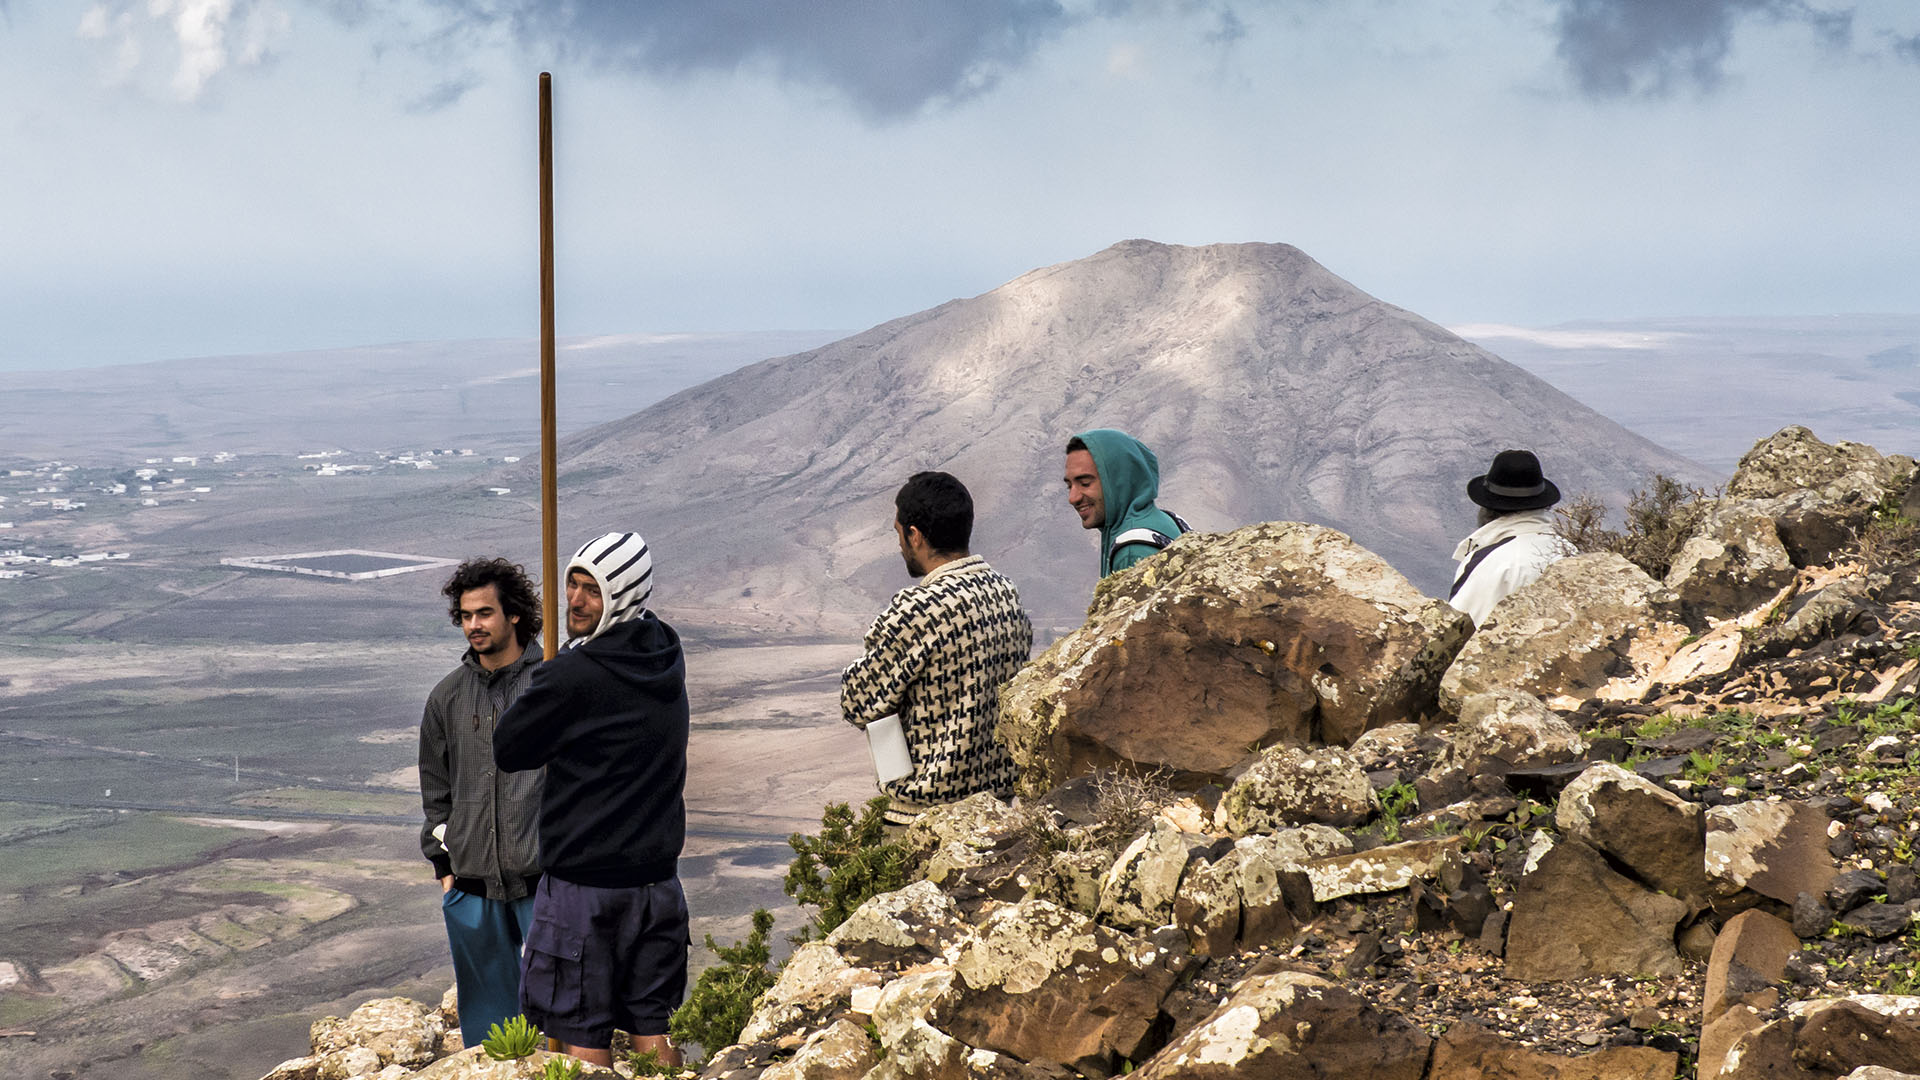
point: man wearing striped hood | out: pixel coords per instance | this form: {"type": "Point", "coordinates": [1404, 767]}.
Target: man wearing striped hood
{"type": "Point", "coordinates": [608, 719]}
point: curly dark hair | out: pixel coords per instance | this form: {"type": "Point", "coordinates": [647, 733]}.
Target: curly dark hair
{"type": "Point", "coordinates": [516, 593]}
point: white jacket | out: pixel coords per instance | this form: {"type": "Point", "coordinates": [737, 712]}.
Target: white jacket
{"type": "Point", "coordinates": [1531, 546]}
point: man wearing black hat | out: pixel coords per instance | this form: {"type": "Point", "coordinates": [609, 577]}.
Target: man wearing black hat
{"type": "Point", "coordinates": [1516, 540]}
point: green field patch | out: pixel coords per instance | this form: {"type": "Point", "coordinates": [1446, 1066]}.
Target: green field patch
{"type": "Point", "coordinates": [135, 844]}
{"type": "Point", "coordinates": [22, 1010]}
{"type": "Point", "coordinates": [21, 821]}
{"type": "Point", "coordinates": [321, 801]}
{"type": "Point", "coordinates": [222, 930]}
{"type": "Point", "coordinates": [296, 900]}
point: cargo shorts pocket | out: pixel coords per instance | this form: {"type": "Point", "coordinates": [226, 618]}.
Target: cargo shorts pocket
{"type": "Point", "coordinates": [554, 981]}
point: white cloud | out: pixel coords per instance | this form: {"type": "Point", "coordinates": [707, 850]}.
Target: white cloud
{"type": "Point", "coordinates": [1568, 339]}
{"type": "Point", "coordinates": [185, 44]}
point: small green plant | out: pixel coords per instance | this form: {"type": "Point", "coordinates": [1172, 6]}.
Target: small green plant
{"type": "Point", "coordinates": [1701, 766]}
{"type": "Point", "coordinates": [721, 1002]}
{"type": "Point", "coordinates": [648, 1063]}
{"type": "Point", "coordinates": [561, 1069]}
{"type": "Point", "coordinates": [1912, 651]}
{"type": "Point", "coordinates": [1656, 727]}
{"type": "Point", "coordinates": [511, 1041]}
{"type": "Point", "coordinates": [1395, 802]}
{"type": "Point", "coordinates": [848, 863]}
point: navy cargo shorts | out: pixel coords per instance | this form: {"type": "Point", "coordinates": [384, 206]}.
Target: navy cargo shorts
{"type": "Point", "coordinates": [600, 959]}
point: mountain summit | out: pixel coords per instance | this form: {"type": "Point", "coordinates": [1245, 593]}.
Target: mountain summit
{"type": "Point", "coordinates": [1270, 388]}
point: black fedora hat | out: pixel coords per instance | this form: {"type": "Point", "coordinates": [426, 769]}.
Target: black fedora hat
{"type": "Point", "coordinates": [1513, 482]}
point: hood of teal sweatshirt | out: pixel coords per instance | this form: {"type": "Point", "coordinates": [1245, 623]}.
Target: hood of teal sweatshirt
{"type": "Point", "coordinates": [1129, 484]}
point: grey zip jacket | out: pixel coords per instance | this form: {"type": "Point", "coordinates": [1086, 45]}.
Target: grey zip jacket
{"type": "Point", "coordinates": [492, 818]}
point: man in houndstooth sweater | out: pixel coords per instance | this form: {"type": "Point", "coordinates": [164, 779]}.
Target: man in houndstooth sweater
{"type": "Point", "coordinates": [939, 654]}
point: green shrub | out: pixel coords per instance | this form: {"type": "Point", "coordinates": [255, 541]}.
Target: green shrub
{"type": "Point", "coordinates": [561, 1069]}
{"type": "Point", "coordinates": [1659, 519]}
{"type": "Point", "coordinates": [515, 1039]}
{"type": "Point", "coordinates": [721, 1002]}
{"type": "Point", "coordinates": [850, 862]}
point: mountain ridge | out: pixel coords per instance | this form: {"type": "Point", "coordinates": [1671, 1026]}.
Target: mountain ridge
{"type": "Point", "coordinates": [1270, 388]}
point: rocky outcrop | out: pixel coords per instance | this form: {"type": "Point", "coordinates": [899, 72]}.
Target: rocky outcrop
{"type": "Point", "coordinates": [1627, 848]}
{"type": "Point", "coordinates": [1819, 496]}
{"type": "Point", "coordinates": [1735, 562]}
{"type": "Point", "coordinates": [1274, 633]}
{"type": "Point", "coordinates": [1775, 848]}
{"type": "Point", "coordinates": [1591, 625]}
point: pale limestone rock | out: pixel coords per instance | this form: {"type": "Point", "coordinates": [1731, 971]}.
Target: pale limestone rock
{"type": "Point", "coordinates": [906, 926]}
{"type": "Point", "coordinates": [909, 1000]}
{"type": "Point", "coordinates": [840, 1051]}
{"type": "Point", "coordinates": [1042, 983]}
{"type": "Point", "coordinates": [1734, 562]}
{"type": "Point", "coordinates": [395, 1030]}
{"type": "Point", "coordinates": [1290, 785]}
{"type": "Point", "coordinates": [1139, 889]}
{"type": "Point", "coordinates": [813, 984]}
{"type": "Point", "coordinates": [1509, 726]}
{"type": "Point", "coordinates": [1382, 869]}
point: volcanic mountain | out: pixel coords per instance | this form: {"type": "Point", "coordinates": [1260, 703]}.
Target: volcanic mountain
{"type": "Point", "coordinates": [1269, 387]}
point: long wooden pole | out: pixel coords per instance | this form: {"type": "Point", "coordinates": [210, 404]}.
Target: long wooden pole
{"type": "Point", "coordinates": [549, 515]}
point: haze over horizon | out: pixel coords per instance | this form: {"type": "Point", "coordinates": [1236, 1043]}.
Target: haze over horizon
{"type": "Point", "coordinates": [196, 178]}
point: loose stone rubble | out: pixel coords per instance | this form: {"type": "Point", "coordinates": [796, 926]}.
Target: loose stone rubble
{"type": "Point", "coordinates": [1279, 821]}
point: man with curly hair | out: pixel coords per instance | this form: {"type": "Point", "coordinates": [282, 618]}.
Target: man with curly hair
{"type": "Point", "coordinates": [482, 827]}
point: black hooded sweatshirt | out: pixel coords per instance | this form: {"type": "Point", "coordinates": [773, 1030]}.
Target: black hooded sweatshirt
{"type": "Point", "coordinates": [609, 720]}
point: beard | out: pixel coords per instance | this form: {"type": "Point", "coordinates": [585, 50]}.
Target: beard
{"type": "Point", "coordinates": [914, 568]}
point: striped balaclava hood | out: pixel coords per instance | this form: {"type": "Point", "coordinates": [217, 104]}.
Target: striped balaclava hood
{"type": "Point", "coordinates": [620, 563]}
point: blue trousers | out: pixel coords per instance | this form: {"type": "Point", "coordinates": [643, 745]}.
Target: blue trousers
{"type": "Point", "coordinates": [485, 937]}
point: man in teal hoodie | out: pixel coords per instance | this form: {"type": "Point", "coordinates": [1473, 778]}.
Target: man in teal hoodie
{"type": "Point", "coordinates": [1112, 480]}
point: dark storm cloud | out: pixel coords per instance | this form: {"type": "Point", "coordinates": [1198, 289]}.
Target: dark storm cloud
{"type": "Point", "coordinates": [889, 59]}
{"type": "Point", "coordinates": [1907, 48]}
{"type": "Point", "coordinates": [1623, 48]}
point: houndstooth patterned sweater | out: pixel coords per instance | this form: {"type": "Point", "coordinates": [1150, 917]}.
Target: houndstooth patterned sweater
{"type": "Point", "coordinates": [938, 656]}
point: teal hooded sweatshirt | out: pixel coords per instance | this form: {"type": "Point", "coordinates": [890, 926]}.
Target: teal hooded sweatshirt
{"type": "Point", "coordinates": [1129, 482]}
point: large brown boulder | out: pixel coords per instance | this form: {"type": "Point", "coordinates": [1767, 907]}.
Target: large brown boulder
{"type": "Point", "coordinates": [1290, 1026]}
{"type": "Point", "coordinates": [1819, 495]}
{"type": "Point", "coordinates": [1468, 1051]}
{"type": "Point", "coordinates": [1650, 830]}
{"type": "Point", "coordinates": [1590, 622]}
{"type": "Point", "coordinates": [1276, 633]}
{"type": "Point", "coordinates": [1775, 848]}
{"type": "Point", "coordinates": [1574, 916]}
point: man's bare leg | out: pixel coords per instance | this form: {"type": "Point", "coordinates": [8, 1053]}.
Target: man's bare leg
{"type": "Point", "coordinates": [662, 1047]}
{"type": "Point", "coordinates": [602, 1057]}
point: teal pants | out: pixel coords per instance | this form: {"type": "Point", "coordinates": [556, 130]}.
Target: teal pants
{"type": "Point", "coordinates": [485, 937]}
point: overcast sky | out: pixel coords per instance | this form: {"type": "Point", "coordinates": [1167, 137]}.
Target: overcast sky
{"type": "Point", "coordinates": [194, 177]}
